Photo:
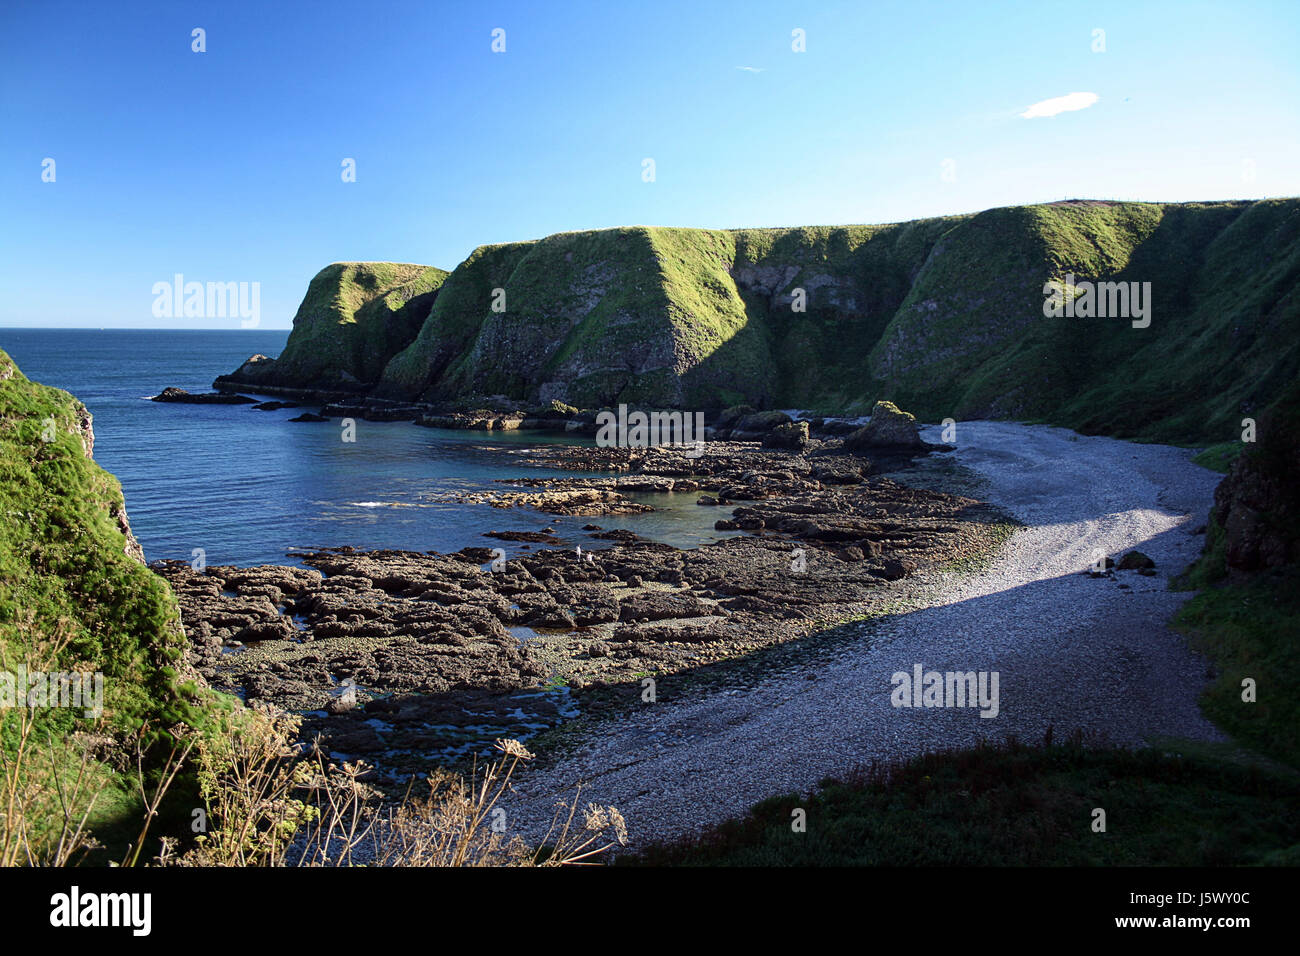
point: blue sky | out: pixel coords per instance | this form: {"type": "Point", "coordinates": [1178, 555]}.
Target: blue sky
{"type": "Point", "coordinates": [226, 165]}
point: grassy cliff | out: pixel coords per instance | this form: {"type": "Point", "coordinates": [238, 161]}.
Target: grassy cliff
{"type": "Point", "coordinates": [68, 559]}
{"type": "Point", "coordinates": [944, 316]}
{"type": "Point", "coordinates": [355, 317]}
{"type": "Point", "coordinates": [76, 597]}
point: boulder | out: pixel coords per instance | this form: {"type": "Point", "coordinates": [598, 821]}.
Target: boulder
{"type": "Point", "coordinates": [728, 417]}
{"type": "Point", "coordinates": [890, 429]}
{"type": "Point", "coordinates": [255, 368]}
{"type": "Point", "coordinates": [793, 435]}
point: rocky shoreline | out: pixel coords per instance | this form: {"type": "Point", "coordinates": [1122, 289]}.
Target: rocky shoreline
{"type": "Point", "coordinates": [773, 428]}
{"type": "Point", "coordinates": [405, 658]}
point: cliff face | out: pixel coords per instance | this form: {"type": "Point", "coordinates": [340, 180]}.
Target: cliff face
{"type": "Point", "coordinates": [1257, 507]}
{"type": "Point", "coordinates": [68, 560]}
{"type": "Point", "coordinates": [944, 316]}
{"type": "Point", "coordinates": [355, 317]}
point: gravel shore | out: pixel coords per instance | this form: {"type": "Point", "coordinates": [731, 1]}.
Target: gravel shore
{"type": "Point", "coordinates": [1071, 651]}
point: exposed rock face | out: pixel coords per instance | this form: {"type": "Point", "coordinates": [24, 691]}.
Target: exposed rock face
{"type": "Point", "coordinates": [116, 510]}
{"type": "Point", "coordinates": [1258, 503]}
{"type": "Point", "coordinates": [890, 429]}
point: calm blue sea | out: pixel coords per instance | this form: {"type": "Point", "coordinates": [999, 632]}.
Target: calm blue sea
{"type": "Point", "coordinates": [248, 486]}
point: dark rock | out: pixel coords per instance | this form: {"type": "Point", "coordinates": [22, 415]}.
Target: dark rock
{"type": "Point", "coordinates": [792, 435]}
{"type": "Point", "coordinates": [1258, 504]}
{"type": "Point", "coordinates": [180, 396]}
{"type": "Point", "coordinates": [536, 537]}
{"type": "Point", "coordinates": [895, 569]}
{"type": "Point", "coordinates": [890, 429]}
{"type": "Point", "coordinates": [1135, 560]}
{"type": "Point", "coordinates": [755, 426]}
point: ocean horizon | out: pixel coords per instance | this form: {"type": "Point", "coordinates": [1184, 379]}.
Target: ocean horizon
{"type": "Point", "coordinates": [247, 487]}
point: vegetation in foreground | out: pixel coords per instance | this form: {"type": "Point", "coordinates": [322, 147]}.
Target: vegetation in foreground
{"type": "Point", "coordinates": [268, 802]}
{"type": "Point", "coordinates": [1248, 629]}
{"type": "Point", "coordinates": [75, 598]}
{"type": "Point", "coordinates": [1017, 805]}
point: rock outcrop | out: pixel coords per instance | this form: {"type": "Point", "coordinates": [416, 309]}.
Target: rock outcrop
{"type": "Point", "coordinates": [179, 396]}
{"type": "Point", "coordinates": [1257, 507]}
{"type": "Point", "coordinates": [443, 652]}
{"type": "Point", "coordinates": [890, 430]}
{"type": "Point", "coordinates": [355, 317]}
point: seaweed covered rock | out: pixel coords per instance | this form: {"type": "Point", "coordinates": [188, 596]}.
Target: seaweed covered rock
{"type": "Point", "coordinates": [792, 435]}
{"type": "Point", "coordinates": [890, 429]}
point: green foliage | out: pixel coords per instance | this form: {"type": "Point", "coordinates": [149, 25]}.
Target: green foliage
{"type": "Point", "coordinates": [1019, 806]}
{"type": "Point", "coordinates": [355, 317]}
{"type": "Point", "coordinates": [73, 599]}
{"type": "Point", "coordinates": [943, 315]}
{"type": "Point", "coordinates": [1248, 627]}
{"type": "Point", "coordinates": [1220, 457]}
{"type": "Point", "coordinates": [63, 558]}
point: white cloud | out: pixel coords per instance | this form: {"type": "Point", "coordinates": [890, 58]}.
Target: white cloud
{"type": "Point", "coordinates": [1061, 104]}
{"type": "Point", "coordinates": [751, 69]}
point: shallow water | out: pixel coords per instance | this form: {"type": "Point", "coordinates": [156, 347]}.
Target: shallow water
{"type": "Point", "coordinates": [246, 487]}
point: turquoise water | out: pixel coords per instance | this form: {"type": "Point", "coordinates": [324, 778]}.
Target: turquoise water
{"type": "Point", "coordinates": [248, 486]}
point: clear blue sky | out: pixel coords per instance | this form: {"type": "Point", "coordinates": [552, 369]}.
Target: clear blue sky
{"type": "Point", "coordinates": [225, 165]}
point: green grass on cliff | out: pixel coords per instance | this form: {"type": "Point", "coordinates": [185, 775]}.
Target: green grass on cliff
{"type": "Point", "coordinates": [942, 316]}
{"type": "Point", "coordinates": [448, 332]}
{"type": "Point", "coordinates": [64, 569]}
{"type": "Point", "coordinates": [63, 556]}
{"type": "Point", "coordinates": [354, 318]}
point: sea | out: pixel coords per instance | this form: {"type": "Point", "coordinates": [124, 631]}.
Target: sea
{"type": "Point", "coordinates": [245, 487]}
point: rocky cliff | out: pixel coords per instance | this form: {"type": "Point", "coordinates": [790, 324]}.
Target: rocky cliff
{"type": "Point", "coordinates": [944, 316]}
{"type": "Point", "coordinates": [1257, 507]}
{"type": "Point", "coordinates": [355, 317]}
